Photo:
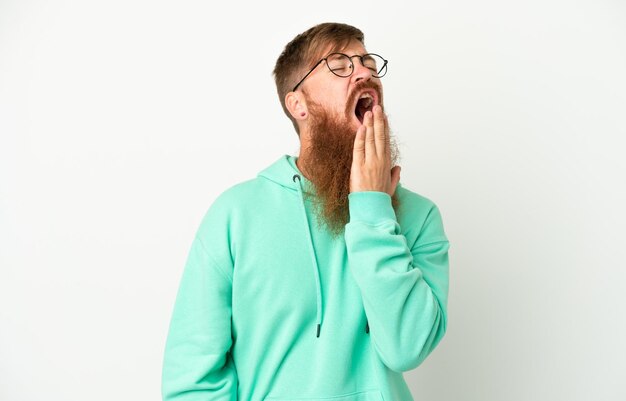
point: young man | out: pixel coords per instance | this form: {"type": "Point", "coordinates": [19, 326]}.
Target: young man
{"type": "Point", "coordinates": [322, 278]}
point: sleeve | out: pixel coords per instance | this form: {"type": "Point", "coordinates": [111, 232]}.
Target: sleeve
{"type": "Point", "coordinates": [404, 286]}
{"type": "Point", "coordinates": [197, 364]}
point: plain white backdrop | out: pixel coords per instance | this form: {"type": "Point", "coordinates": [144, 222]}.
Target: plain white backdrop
{"type": "Point", "coordinates": [121, 121]}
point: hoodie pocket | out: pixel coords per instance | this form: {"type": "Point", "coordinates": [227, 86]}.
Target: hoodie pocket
{"type": "Point", "coordinates": [368, 395]}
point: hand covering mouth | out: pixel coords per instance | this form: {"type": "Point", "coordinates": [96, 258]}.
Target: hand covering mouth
{"type": "Point", "coordinates": [365, 102]}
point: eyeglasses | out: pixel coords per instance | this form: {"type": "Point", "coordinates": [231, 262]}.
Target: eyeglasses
{"type": "Point", "coordinates": [341, 65]}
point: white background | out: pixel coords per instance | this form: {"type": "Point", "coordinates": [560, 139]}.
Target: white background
{"type": "Point", "coordinates": [121, 121]}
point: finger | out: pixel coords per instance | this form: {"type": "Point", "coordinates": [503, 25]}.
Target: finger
{"type": "Point", "coordinates": [370, 140]}
{"type": "Point", "coordinates": [387, 140]}
{"type": "Point", "coordinates": [358, 153]}
{"type": "Point", "coordinates": [380, 131]}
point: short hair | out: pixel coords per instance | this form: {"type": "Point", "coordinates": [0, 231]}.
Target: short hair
{"type": "Point", "coordinates": [305, 50]}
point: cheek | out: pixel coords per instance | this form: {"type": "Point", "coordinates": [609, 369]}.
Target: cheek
{"type": "Point", "coordinates": [340, 98]}
{"type": "Point", "coordinates": [334, 97]}
{"type": "Point", "coordinates": [336, 102]}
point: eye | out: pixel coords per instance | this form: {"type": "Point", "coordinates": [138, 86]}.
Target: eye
{"type": "Point", "coordinates": [370, 62]}
{"type": "Point", "coordinates": [341, 68]}
{"type": "Point", "coordinates": [340, 64]}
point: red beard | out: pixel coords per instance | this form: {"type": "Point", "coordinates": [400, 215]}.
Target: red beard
{"type": "Point", "coordinates": [329, 159]}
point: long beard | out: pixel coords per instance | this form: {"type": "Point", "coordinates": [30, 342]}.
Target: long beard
{"type": "Point", "coordinates": [328, 164]}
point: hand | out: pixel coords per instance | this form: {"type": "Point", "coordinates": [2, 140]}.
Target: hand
{"type": "Point", "coordinates": [371, 158]}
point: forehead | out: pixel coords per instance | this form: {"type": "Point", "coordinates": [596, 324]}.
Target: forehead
{"type": "Point", "coordinates": [352, 48]}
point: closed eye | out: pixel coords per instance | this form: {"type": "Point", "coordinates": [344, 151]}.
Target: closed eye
{"type": "Point", "coordinates": [340, 69]}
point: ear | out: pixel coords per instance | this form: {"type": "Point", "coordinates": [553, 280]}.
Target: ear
{"type": "Point", "coordinates": [296, 104]}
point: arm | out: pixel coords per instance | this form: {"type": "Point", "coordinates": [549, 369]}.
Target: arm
{"type": "Point", "coordinates": [197, 364]}
{"type": "Point", "coordinates": [404, 286]}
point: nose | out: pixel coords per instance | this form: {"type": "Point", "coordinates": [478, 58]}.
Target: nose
{"type": "Point", "coordinates": [360, 71]}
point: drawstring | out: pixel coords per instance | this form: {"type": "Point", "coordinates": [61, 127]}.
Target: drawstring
{"type": "Point", "coordinates": [313, 258]}
{"type": "Point", "coordinates": [314, 261]}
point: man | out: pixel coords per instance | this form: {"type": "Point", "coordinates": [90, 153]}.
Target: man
{"type": "Point", "coordinates": [322, 278]}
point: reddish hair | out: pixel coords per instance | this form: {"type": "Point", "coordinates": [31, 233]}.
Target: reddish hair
{"type": "Point", "coordinates": [305, 50]}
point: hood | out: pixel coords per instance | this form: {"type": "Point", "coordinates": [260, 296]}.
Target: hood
{"type": "Point", "coordinates": [282, 172]}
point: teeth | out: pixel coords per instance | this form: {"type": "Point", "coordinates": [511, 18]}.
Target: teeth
{"type": "Point", "coordinates": [366, 100]}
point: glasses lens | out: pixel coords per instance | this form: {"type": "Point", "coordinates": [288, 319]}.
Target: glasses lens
{"type": "Point", "coordinates": [340, 64]}
{"type": "Point", "coordinates": [377, 64]}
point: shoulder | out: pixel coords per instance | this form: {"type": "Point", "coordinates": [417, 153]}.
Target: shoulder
{"type": "Point", "coordinates": [419, 216]}
{"type": "Point", "coordinates": [222, 216]}
{"type": "Point", "coordinates": [413, 204]}
{"type": "Point", "coordinates": [238, 193]}
{"type": "Point", "coordinates": [242, 201]}
{"type": "Point", "coordinates": [233, 198]}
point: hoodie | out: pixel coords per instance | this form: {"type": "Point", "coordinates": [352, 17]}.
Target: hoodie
{"type": "Point", "coordinates": [272, 307]}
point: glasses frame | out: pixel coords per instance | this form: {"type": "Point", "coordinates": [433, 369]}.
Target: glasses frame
{"type": "Point", "coordinates": [384, 66]}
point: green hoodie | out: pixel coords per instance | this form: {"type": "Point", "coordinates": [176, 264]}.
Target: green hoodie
{"type": "Point", "coordinates": [272, 307]}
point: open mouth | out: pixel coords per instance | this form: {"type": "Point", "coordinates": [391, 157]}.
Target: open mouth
{"type": "Point", "coordinates": [365, 103]}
